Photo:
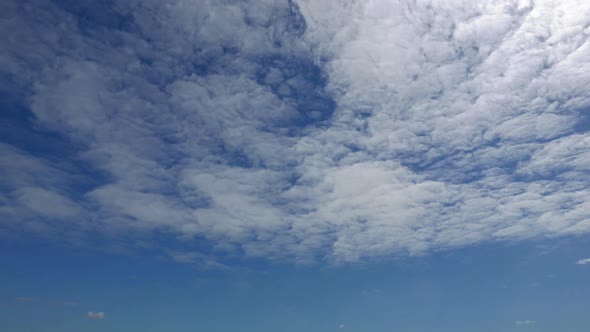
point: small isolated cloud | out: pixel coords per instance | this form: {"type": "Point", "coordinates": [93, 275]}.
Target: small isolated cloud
{"type": "Point", "coordinates": [96, 315]}
{"type": "Point", "coordinates": [341, 326]}
{"type": "Point", "coordinates": [371, 292]}
{"type": "Point", "coordinates": [583, 261]}
{"type": "Point", "coordinates": [24, 299]}
{"type": "Point", "coordinates": [525, 322]}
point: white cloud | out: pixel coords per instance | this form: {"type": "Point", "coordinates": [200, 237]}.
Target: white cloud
{"type": "Point", "coordinates": [583, 261]}
{"type": "Point", "coordinates": [525, 322]}
{"type": "Point", "coordinates": [463, 136]}
{"type": "Point", "coordinates": [48, 203]}
{"type": "Point", "coordinates": [96, 315]}
{"type": "Point", "coordinates": [455, 123]}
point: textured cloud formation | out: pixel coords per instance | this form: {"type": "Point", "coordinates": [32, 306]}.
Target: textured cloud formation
{"type": "Point", "coordinates": [96, 315]}
{"type": "Point", "coordinates": [310, 130]}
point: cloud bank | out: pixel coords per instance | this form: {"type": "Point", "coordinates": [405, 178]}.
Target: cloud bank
{"type": "Point", "coordinates": [297, 130]}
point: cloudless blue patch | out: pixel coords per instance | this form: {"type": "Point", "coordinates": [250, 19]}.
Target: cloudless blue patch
{"type": "Point", "coordinates": [583, 124]}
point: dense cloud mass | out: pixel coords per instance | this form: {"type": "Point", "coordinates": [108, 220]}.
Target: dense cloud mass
{"type": "Point", "coordinates": [302, 131]}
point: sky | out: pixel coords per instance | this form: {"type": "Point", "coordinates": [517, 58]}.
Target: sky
{"type": "Point", "coordinates": [300, 165]}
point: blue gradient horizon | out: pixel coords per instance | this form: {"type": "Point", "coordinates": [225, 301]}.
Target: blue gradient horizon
{"type": "Point", "coordinates": [482, 288]}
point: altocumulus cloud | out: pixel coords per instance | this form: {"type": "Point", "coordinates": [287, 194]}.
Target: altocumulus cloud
{"type": "Point", "coordinates": [300, 130]}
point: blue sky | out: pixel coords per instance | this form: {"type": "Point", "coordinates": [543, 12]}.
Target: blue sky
{"type": "Point", "coordinates": [294, 165]}
{"type": "Point", "coordinates": [483, 288]}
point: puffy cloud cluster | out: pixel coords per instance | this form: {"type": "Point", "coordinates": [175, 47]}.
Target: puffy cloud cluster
{"type": "Point", "coordinates": [466, 121]}
{"type": "Point", "coordinates": [332, 130]}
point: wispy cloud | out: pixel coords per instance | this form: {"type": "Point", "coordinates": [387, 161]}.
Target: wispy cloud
{"type": "Point", "coordinates": [583, 261]}
{"type": "Point", "coordinates": [96, 315]}
{"type": "Point", "coordinates": [525, 322]}
{"type": "Point", "coordinates": [25, 299]}
{"type": "Point", "coordinates": [193, 257]}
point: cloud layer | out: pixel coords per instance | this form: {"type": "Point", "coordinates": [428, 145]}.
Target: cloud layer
{"type": "Point", "coordinates": [300, 131]}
